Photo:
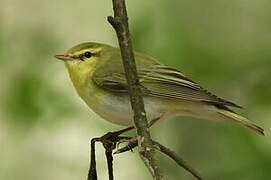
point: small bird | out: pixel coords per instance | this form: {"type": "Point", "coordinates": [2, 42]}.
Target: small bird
{"type": "Point", "coordinates": [98, 76]}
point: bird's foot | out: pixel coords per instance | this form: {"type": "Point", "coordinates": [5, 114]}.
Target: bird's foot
{"type": "Point", "coordinates": [111, 139]}
{"type": "Point", "coordinates": [131, 144]}
{"type": "Point", "coordinates": [125, 140]}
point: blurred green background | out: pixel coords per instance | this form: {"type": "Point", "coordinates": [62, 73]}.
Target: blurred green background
{"type": "Point", "coordinates": [45, 128]}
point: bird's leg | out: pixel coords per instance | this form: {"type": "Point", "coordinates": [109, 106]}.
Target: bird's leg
{"type": "Point", "coordinates": [111, 140]}
{"type": "Point", "coordinates": [115, 136]}
{"type": "Point", "coordinates": [117, 133]}
{"type": "Point", "coordinates": [122, 131]}
{"type": "Point", "coordinates": [132, 142]}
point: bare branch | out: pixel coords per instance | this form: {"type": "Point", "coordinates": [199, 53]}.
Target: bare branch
{"type": "Point", "coordinates": [92, 173]}
{"type": "Point", "coordinates": [109, 159]}
{"type": "Point", "coordinates": [109, 141]}
{"type": "Point", "coordinates": [177, 159]}
{"type": "Point", "coordinates": [133, 143]}
{"type": "Point", "coordinates": [146, 150]}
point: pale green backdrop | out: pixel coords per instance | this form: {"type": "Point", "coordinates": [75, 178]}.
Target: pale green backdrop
{"type": "Point", "coordinates": [45, 128]}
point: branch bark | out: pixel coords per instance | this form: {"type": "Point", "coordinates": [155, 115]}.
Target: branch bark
{"type": "Point", "coordinates": [159, 147]}
{"type": "Point", "coordinates": [146, 150]}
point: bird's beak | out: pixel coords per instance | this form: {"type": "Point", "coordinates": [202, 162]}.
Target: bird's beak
{"type": "Point", "coordinates": [64, 57]}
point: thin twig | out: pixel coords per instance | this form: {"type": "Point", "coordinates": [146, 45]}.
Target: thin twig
{"type": "Point", "coordinates": [109, 141]}
{"type": "Point", "coordinates": [109, 159]}
{"type": "Point", "coordinates": [133, 143]}
{"type": "Point", "coordinates": [177, 159]}
{"type": "Point", "coordinates": [146, 150]}
{"type": "Point", "coordinates": [92, 173]}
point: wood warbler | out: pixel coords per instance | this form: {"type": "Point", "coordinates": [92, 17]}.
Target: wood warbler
{"type": "Point", "coordinates": [97, 74]}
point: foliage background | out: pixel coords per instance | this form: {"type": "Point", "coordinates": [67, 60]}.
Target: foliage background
{"type": "Point", "coordinates": [45, 128]}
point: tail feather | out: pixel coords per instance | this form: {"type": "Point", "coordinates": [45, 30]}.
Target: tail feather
{"type": "Point", "coordinates": [241, 120]}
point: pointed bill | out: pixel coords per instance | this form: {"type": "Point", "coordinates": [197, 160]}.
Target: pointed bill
{"type": "Point", "coordinates": [64, 57]}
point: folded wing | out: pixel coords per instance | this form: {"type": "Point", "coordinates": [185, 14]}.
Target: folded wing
{"type": "Point", "coordinates": [161, 81]}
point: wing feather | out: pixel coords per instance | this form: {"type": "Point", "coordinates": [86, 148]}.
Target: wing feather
{"type": "Point", "coordinates": [161, 81]}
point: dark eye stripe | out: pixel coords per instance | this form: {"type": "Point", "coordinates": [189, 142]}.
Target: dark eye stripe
{"type": "Point", "coordinates": [81, 57]}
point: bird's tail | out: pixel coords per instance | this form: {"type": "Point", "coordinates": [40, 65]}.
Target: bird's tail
{"type": "Point", "coordinates": [240, 120]}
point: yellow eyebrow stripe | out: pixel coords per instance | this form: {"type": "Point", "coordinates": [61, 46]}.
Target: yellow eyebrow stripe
{"type": "Point", "coordinates": [92, 50]}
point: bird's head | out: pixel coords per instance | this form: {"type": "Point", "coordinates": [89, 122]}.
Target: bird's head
{"type": "Point", "coordinates": [84, 56]}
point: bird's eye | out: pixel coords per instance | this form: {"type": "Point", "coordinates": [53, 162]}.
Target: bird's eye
{"type": "Point", "coordinates": [88, 54]}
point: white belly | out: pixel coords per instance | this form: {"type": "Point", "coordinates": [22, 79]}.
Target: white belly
{"type": "Point", "coordinates": [117, 109]}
